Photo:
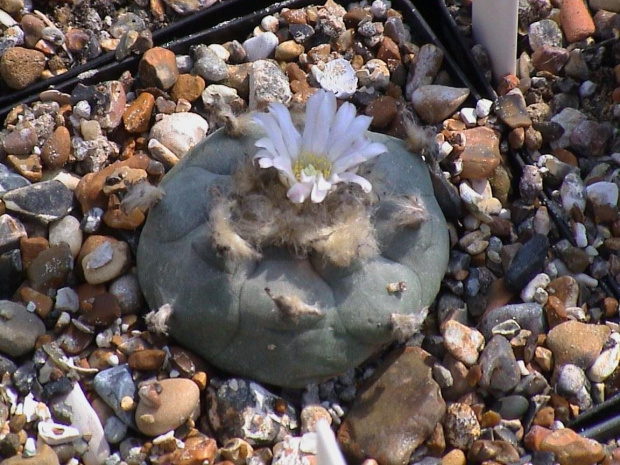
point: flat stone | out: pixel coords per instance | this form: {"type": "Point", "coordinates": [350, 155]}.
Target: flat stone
{"type": "Point", "coordinates": [11, 232]}
{"type": "Point", "coordinates": [404, 399]}
{"type": "Point", "coordinates": [57, 148]}
{"type": "Point", "coordinates": [97, 271]}
{"type": "Point", "coordinates": [110, 104]}
{"type": "Point", "coordinates": [268, 84]}
{"type": "Point", "coordinates": [244, 409]}
{"type": "Point", "coordinates": [577, 343]}
{"type": "Point", "coordinates": [179, 400]}
{"type": "Point", "coordinates": [481, 154]}
{"type": "Point", "coordinates": [44, 201]}
{"type": "Point", "coordinates": [512, 110]}
{"type": "Point", "coordinates": [158, 68]}
{"type": "Point", "coordinates": [21, 67]}
{"type": "Point", "coordinates": [434, 103]}
{"type": "Point", "coordinates": [105, 310]}
{"type": "Point", "coordinates": [19, 329]}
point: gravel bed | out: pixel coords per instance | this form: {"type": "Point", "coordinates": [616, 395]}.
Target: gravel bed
{"type": "Point", "coordinates": [522, 338]}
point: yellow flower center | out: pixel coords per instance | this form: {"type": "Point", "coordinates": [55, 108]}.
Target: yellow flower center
{"type": "Point", "coordinates": [311, 165]}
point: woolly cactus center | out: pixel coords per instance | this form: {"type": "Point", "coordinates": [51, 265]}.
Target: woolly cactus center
{"type": "Point", "coordinates": [311, 165]}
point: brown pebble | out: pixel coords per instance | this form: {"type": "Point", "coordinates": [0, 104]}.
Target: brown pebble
{"type": "Point", "coordinates": [188, 86]}
{"type": "Point", "coordinates": [104, 312]}
{"type": "Point", "coordinates": [545, 417]}
{"type": "Point", "coordinates": [454, 457]}
{"type": "Point", "coordinates": [158, 68]}
{"type": "Point", "coordinates": [147, 360]}
{"type": "Point", "coordinates": [382, 111]}
{"type": "Point", "coordinates": [571, 449]}
{"type": "Point", "coordinates": [555, 311]}
{"type": "Point", "coordinates": [76, 39]}
{"type": "Point", "coordinates": [535, 436]}
{"type": "Point", "coordinates": [481, 154]}
{"type": "Point", "coordinates": [507, 83]}
{"type": "Point", "coordinates": [388, 50]}
{"type": "Point", "coordinates": [57, 148]}
{"type": "Point", "coordinates": [137, 116]}
{"type": "Point", "coordinates": [29, 166]}
{"type": "Point", "coordinates": [610, 305]}
{"type": "Point", "coordinates": [30, 248]}
{"type": "Point", "coordinates": [294, 16]}
{"type": "Point", "coordinates": [20, 67]}
{"type": "Point", "coordinates": [43, 303]}
{"type": "Point", "coordinates": [490, 419]}
{"type": "Point", "coordinates": [201, 379]}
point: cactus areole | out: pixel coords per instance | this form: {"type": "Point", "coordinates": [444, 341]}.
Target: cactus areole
{"type": "Point", "coordinates": [290, 256]}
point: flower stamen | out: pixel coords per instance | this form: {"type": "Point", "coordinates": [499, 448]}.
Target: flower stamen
{"type": "Point", "coordinates": [311, 165]}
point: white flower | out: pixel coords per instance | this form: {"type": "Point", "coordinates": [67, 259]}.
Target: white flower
{"type": "Point", "coordinates": [331, 148]}
{"type": "Point", "coordinates": [337, 77]}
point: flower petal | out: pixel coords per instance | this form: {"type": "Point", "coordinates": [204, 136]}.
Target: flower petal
{"type": "Point", "coordinates": [324, 120]}
{"type": "Point", "coordinates": [320, 189]}
{"type": "Point", "coordinates": [312, 109]}
{"type": "Point", "coordinates": [283, 164]}
{"type": "Point", "coordinates": [355, 130]}
{"type": "Point", "coordinates": [265, 162]}
{"type": "Point", "coordinates": [290, 134]}
{"type": "Point", "coordinates": [274, 132]}
{"type": "Point", "coordinates": [299, 192]}
{"type": "Point", "coordinates": [354, 157]}
{"type": "Point", "coordinates": [344, 117]}
{"type": "Point", "coordinates": [352, 177]}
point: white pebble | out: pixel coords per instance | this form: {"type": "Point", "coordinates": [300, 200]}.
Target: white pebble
{"type": "Point", "coordinates": [541, 280]}
{"type": "Point", "coordinates": [338, 77]}
{"type": "Point", "coordinates": [82, 109]}
{"type": "Point", "coordinates": [269, 23]}
{"type": "Point", "coordinates": [179, 132]}
{"type": "Point", "coordinates": [580, 235]}
{"type": "Point", "coordinates": [63, 321]}
{"type": "Point", "coordinates": [260, 47]}
{"type": "Point", "coordinates": [67, 300]}
{"type": "Point", "coordinates": [483, 107]}
{"type": "Point", "coordinates": [586, 280]}
{"type": "Point", "coordinates": [67, 229]}
{"type": "Point", "coordinates": [471, 223]}
{"type": "Point", "coordinates": [541, 296]}
{"type": "Point", "coordinates": [607, 362]}
{"type": "Point", "coordinates": [572, 192]}
{"type": "Point", "coordinates": [56, 433]}
{"type": "Point", "coordinates": [603, 193]}
{"type": "Point", "coordinates": [468, 116]}
{"type": "Point", "coordinates": [445, 149]}
{"type": "Point", "coordinates": [220, 51]}
{"type": "Point", "coordinates": [587, 89]}
{"type": "Point", "coordinates": [30, 448]}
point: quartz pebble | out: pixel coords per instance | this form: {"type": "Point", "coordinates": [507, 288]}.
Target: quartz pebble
{"type": "Point", "coordinates": [179, 132]}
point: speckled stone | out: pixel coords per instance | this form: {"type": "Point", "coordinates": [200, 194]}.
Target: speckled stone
{"type": "Point", "coordinates": [158, 68]}
{"type": "Point", "coordinates": [21, 67]}
{"type": "Point", "coordinates": [571, 449]}
{"type": "Point", "coordinates": [577, 343]}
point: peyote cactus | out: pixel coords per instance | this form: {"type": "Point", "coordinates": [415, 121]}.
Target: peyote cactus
{"type": "Point", "coordinates": [289, 290]}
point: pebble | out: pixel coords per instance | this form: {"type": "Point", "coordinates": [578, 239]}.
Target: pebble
{"type": "Point", "coordinates": [572, 192]}
{"type": "Point", "coordinates": [57, 148]}
{"type": "Point", "coordinates": [188, 87]}
{"type": "Point", "coordinates": [66, 229]}
{"type": "Point", "coordinates": [404, 399]}
{"type": "Point", "coordinates": [383, 110]}
{"type": "Point", "coordinates": [210, 66]}
{"type": "Point", "coordinates": [339, 77]}
{"type": "Point", "coordinates": [550, 59]}
{"type": "Point", "coordinates": [179, 132]}
{"type": "Point", "coordinates": [260, 47]}
{"type": "Point", "coordinates": [45, 455]}
{"type": "Point", "coordinates": [246, 410]}
{"type": "Point", "coordinates": [44, 201]}
{"type": "Point", "coordinates": [512, 110]}
{"type": "Point", "coordinates": [137, 116]}
{"type": "Point", "coordinates": [576, 20]}
{"type": "Point", "coordinates": [461, 426]}
{"type": "Point", "coordinates": [20, 141]}
{"type": "Point", "coordinates": [288, 50]}
{"type": "Point", "coordinates": [430, 58]}
{"type": "Point", "coordinates": [607, 362]}
{"type": "Point", "coordinates": [589, 138]}
{"type": "Point", "coordinates": [488, 450]}
{"type": "Point", "coordinates": [126, 289]}
{"type": "Point", "coordinates": [481, 154]}
{"type": "Point", "coordinates": [106, 262]}
{"type": "Point", "coordinates": [19, 330]}
{"type": "Point", "coordinates": [158, 68]}
{"type": "Point", "coordinates": [462, 342]}
{"type": "Point", "coordinates": [21, 67]}
{"type": "Point", "coordinates": [607, 5]}
{"type": "Point", "coordinates": [113, 385]}
{"type": "Point", "coordinates": [50, 268]}
{"type": "Point", "coordinates": [577, 343]}
{"type": "Point", "coordinates": [178, 399]}
{"type": "Point", "coordinates": [527, 262]}
{"type": "Point", "coordinates": [571, 449]}
{"type": "Point", "coordinates": [268, 84]}
{"type": "Point", "coordinates": [511, 407]}
{"type": "Point", "coordinates": [434, 103]}
{"type": "Point", "coordinates": [500, 372]}
{"type": "Point", "coordinates": [544, 32]}
{"type": "Point", "coordinates": [11, 232]}
{"type": "Point", "coordinates": [115, 430]}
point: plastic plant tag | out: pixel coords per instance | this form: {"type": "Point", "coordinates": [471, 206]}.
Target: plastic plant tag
{"type": "Point", "coordinates": [328, 452]}
{"type": "Point", "coordinates": [494, 24]}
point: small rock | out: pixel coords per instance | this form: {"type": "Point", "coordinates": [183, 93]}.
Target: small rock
{"type": "Point", "coordinates": [571, 449]}
{"type": "Point", "coordinates": [577, 343]}
{"type": "Point", "coordinates": [382, 111]}
{"type": "Point", "coordinates": [11, 232]}
{"type": "Point", "coordinates": [268, 84]}
{"type": "Point", "coordinates": [44, 201]}
{"type": "Point", "coordinates": [481, 154]}
{"type": "Point", "coordinates": [57, 148]}
{"type": "Point", "coordinates": [576, 20]}
{"type": "Point", "coordinates": [238, 402]}
{"type": "Point", "coordinates": [511, 407]}
{"type": "Point", "coordinates": [434, 103]}
{"type": "Point", "coordinates": [20, 141]}
{"type": "Point", "coordinates": [113, 385]}
{"type": "Point", "coordinates": [115, 430]}
{"type": "Point", "coordinates": [528, 262]}
{"type": "Point", "coordinates": [67, 230]}
{"type": "Point", "coordinates": [572, 192]}
{"type": "Point", "coordinates": [106, 262]}
{"type": "Point", "coordinates": [21, 67]}
{"type": "Point", "coordinates": [512, 110]}
{"type": "Point", "coordinates": [188, 87]}
{"type": "Point", "coordinates": [19, 329]}
{"type": "Point", "coordinates": [147, 360]}
{"type": "Point", "coordinates": [607, 5]}
{"type": "Point", "coordinates": [500, 372]}
{"type": "Point", "coordinates": [127, 291]}
{"type": "Point", "coordinates": [110, 105]}
{"type": "Point", "coordinates": [179, 401]}
{"type": "Point", "coordinates": [607, 362]}
{"type": "Point", "coordinates": [405, 401]}
{"type": "Point", "coordinates": [158, 68]}
{"type": "Point", "coordinates": [44, 455]}
{"type": "Point", "coordinates": [179, 132]}
{"type": "Point", "coordinates": [544, 32]}
{"type": "Point", "coordinates": [339, 77]}
{"type": "Point", "coordinates": [550, 59]}
{"type": "Point", "coordinates": [461, 341]}
{"type": "Point", "coordinates": [137, 116]}
{"type": "Point", "coordinates": [529, 316]}
{"type": "Point", "coordinates": [430, 58]}
{"type": "Point", "coordinates": [498, 451]}
{"type": "Point", "coordinates": [461, 426]}
{"type": "Point", "coordinates": [50, 268]}
{"type": "Point", "coordinates": [589, 138]}
{"type": "Point", "coordinates": [310, 415]}
{"type": "Point", "coordinates": [260, 47]}
{"type": "Point", "coordinates": [210, 66]}
{"type": "Point", "coordinates": [289, 50]}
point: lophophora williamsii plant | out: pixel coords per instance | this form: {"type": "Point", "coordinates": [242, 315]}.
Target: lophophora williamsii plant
{"type": "Point", "coordinates": [289, 253]}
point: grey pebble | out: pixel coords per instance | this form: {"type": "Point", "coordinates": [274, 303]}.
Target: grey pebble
{"type": "Point", "coordinates": [11, 231]}
{"type": "Point", "coordinates": [527, 262]}
{"type": "Point", "coordinates": [19, 329]}
{"type": "Point", "coordinates": [210, 66]}
{"type": "Point", "coordinates": [570, 380]}
{"type": "Point", "coordinates": [115, 430]}
{"type": "Point", "coordinates": [511, 407]}
{"type": "Point", "coordinates": [10, 181]}
{"type": "Point", "coordinates": [529, 316]}
{"type": "Point", "coordinates": [500, 372]}
{"type": "Point", "coordinates": [112, 385]}
{"type": "Point", "coordinates": [44, 201]}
